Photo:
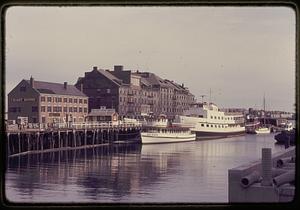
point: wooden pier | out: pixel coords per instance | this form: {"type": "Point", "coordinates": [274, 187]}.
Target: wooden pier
{"type": "Point", "coordinates": [70, 137]}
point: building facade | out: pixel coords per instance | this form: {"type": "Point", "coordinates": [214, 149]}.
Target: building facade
{"type": "Point", "coordinates": [46, 102]}
{"type": "Point", "coordinates": [134, 94]}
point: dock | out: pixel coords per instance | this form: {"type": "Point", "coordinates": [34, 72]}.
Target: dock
{"type": "Point", "coordinates": [269, 180]}
{"type": "Point", "coordinates": [65, 137]}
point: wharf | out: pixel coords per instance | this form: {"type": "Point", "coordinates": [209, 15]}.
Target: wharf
{"type": "Point", "coordinates": [245, 183]}
{"type": "Point", "coordinates": [65, 137]}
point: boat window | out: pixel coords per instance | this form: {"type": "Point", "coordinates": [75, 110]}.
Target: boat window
{"type": "Point", "coordinates": [211, 126]}
{"type": "Point", "coordinates": [215, 117]}
{"type": "Point", "coordinates": [202, 125]}
{"type": "Point", "coordinates": [211, 117]}
{"type": "Point", "coordinates": [215, 126]}
{"type": "Point", "coordinates": [218, 117]}
{"type": "Point", "coordinates": [222, 118]}
{"type": "Point", "coordinates": [207, 125]}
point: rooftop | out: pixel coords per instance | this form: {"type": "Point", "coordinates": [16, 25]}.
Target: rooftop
{"type": "Point", "coordinates": [56, 88]}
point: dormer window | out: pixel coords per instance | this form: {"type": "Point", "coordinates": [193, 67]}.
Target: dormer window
{"type": "Point", "coordinates": [23, 88]}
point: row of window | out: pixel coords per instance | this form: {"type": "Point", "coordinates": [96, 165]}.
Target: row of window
{"type": "Point", "coordinates": [65, 100]}
{"type": "Point", "coordinates": [63, 109]}
{"type": "Point", "coordinates": [221, 118]}
{"type": "Point", "coordinates": [216, 126]}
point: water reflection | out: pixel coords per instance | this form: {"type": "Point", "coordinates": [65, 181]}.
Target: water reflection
{"type": "Point", "coordinates": [181, 172]}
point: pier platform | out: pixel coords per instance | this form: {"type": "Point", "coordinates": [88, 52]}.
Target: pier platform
{"type": "Point", "coordinates": [62, 137]}
{"type": "Point", "coordinates": [246, 182]}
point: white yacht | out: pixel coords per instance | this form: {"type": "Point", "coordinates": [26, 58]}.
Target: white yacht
{"type": "Point", "coordinates": [262, 130]}
{"type": "Point", "coordinates": [208, 122]}
{"type": "Point", "coordinates": [161, 131]}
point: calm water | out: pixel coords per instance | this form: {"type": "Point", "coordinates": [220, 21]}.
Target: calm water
{"type": "Point", "coordinates": [181, 172]}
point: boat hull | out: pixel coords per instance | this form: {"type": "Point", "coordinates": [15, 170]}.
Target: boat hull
{"type": "Point", "coordinates": [202, 135]}
{"type": "Point", "coordinates": [159, 139]}
{"type": "Point", "coordinates": [263, 131]}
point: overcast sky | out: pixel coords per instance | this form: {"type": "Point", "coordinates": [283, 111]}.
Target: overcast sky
{"type": "Point", "coordinates": [239, 53]}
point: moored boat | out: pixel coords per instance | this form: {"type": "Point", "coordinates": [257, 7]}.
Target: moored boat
{"type": "Point", "coordinates": [286, 136]}
{"type": "Point", "coordinates": [163, 132]}
{"type": "Point", "coordinates": [262, 130]}
{"type": "Point", "coordinates": [208, 122]}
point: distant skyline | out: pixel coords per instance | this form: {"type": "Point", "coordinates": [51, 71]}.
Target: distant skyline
{"type": "Point", "coordinates": [239, 53]}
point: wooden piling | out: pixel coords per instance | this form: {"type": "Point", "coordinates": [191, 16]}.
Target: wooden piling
{"type": "Point", "coordinates": [85, 137]}
{"type": "Point", "coordinates": [19, 139]}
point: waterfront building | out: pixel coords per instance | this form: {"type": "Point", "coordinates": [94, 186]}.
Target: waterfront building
{"type": "Point", "coordinates": [134, 94]}
{"type": "Point", "coordinates": [47, 102]}
{"type": "Point", "coordinates": [102, 115]}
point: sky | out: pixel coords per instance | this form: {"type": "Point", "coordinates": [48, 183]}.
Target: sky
{"type": "Point", "coordinates": [236, 53]}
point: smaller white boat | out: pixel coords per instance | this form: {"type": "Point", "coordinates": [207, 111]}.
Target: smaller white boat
{"type": "Point", "coordinates": [167, 135]}
{"type": "Point", "coordinates": [162, 132]}
{"type": "Point", "coordinates": [262, 130]}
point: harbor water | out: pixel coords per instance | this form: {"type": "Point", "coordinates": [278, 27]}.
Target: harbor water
{"type": "Point", "coordinates": [190, 172]}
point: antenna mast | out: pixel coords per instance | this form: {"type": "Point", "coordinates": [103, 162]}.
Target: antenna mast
{"type": "Point", "coordinates": [202, 96]}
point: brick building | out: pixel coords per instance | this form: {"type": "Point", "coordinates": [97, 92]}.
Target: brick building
{"type": "Point", "coordinates": [133, 94]}
{"type": "Point", "coordinates": [46, 102]}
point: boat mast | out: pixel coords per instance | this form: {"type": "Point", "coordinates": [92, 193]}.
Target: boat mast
{"type": "Point", "coordinates": [264, 109]}
{"type": "Point", "coordinates": [202, 96]}
{"type": "Point", "coordinates": [209, 96]}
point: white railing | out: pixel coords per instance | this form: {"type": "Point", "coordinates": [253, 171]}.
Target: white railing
{"type": "Point", "coordinates": [88, 125]}
{"type": "Point", "coordinates": [79, 125]}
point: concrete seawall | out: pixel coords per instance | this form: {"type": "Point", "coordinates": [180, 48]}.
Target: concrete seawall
{"type": "Point", "coordinates": [256, 192]}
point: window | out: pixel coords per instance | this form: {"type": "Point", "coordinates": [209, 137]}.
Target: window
{"type": "Point", "coordinates": [211, 117]}
{"type": "Point", "coordinates": [85, 101]}
{"type": "Point", "coordinates": [65, 109]}
{"type": "Point", "coordinates": [85, 110]}
{"type": "Point", "coordinates": [75, 101]}
{"type": "Point", "coordinates": [202, 125]}
{"type": "Point", "coordinates": [216, 126]}
{"type": "Point", "coordinates": [43, 98]}
{"type": "Point", "coordinates": [23, 88]}
{"type": "Point", "coordinates": [43, 109]}
{"type": "Point", "coordinates": [207, 125]}
{"type": "Point", "coordinates": [49, 99]}
{"type": "Point", "coordinates": [70, 109]}
{"type": "Point", "coordinates": [215, 117]}
{"type": "Point", "coordinates": [65, 100]}
{"type": "Point", "coordinates": [70, 100]}
{"type": "Point", "coordinates": [211, 126]}
{"type": "Point", "coordinates": [218, 118]}
{"type": "Point", "coordinates": [80, 101]}
{"type": "Point", "coordinates": [59, 99]}
{"type": "Point", "coordinates": [49, 109]}
{"type": "Point", "coordinates": [80, 109]}
{"type": "Point", "coordinates": [13, 109]}
{"type": "Point", "coordinates": [75, 109]}
{"type": "Point", "coordinates": [34, 109]}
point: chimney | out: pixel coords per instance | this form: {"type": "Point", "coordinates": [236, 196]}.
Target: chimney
{"type": "Point", "coordinates": [81, 87]}
{"type": "Point", "coordinates": [31, 82]}
{"type": "Point", "coordinates": [95, 68]}
{"type": "Point", "coordinates": [118, 68]}
{"type": "Point", "coordinates": [65, 85]}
